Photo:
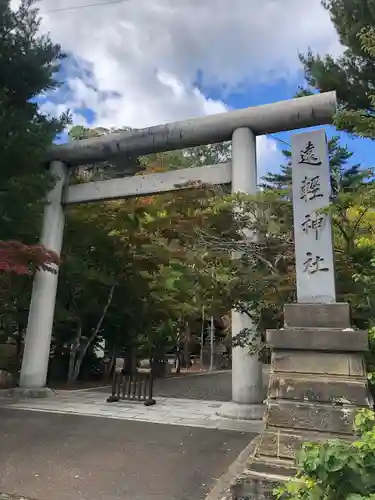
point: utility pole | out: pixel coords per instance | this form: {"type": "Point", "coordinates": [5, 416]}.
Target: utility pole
{"type": "Point", "coordinates": [212, 328]}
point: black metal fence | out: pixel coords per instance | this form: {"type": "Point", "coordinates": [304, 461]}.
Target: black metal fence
{"type": "Point", "coordinates": [133, 387]}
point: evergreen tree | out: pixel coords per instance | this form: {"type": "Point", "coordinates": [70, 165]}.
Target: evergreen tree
{"type": "Point", "coordinates": [352, 74]}
{"type": "Point", "coordinates": [28, 63]}
{"type": "Point", "coordinates": [342, 176]}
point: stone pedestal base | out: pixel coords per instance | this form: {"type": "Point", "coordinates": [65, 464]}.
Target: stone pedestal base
{"type": "Point", "coordinates": [242, 411]}
{"type": "Point", "coordinates": [317, 384]}
{"type": "Point", "coordinates": [23, 393]}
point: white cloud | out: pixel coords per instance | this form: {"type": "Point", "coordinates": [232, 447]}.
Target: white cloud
{"type": "Point", "coordinates": [147, 53]}
{"type": "Point", "coordinates": [269, 156]}
{"type": "Point", "coordinates": [14, 4]}
{"type": "Point", "coordinates": [150, 51]}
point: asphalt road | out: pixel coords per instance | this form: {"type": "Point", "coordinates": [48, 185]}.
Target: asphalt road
{"type": "Point", "coordinates": [47, 456]}
{"type": "Point", "coordinates": [215, 387]}
{"type": "Point", "coordinates": [209, 387]}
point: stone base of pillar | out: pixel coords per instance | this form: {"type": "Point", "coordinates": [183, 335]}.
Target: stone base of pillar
{"type": "Point", "coordinates": [317, 384]}
{"type": "Point", "coordinates": [242, 411]}
{"type": "Point", "coordinates": [28, 393]}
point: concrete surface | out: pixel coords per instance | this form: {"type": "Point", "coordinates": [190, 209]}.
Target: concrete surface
{"type": "Point", "coordinates": [47, 456]}
{"type": "Point", "coordinates": [167, 411]}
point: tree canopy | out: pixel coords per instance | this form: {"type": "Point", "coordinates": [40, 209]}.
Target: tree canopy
{"type": "Point", "coordinates": [28, 65]}
{"type": "Point", "coordinates": [352, 74]}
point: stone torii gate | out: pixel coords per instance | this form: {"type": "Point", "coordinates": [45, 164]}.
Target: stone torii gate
{"type": "Point", "coordinates": [241, 126]}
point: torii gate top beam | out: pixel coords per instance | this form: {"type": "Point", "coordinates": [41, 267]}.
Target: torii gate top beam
{"type": "Point", "coordinates": [266, 119]}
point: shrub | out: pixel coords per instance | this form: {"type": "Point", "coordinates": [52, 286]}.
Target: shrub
{"type": "Point", "coordinates": [336, 469]}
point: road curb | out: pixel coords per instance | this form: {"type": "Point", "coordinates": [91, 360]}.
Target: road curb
{"type": "Point", "coordinates": [221, 490]}
{"type": "Point", "coordinates": [197, 374]}
{"type": "Point", "coordinates": [6, 496]}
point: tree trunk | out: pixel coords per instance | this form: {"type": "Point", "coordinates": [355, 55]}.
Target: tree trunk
{"type": "Point", "coordinates": [202, 337]}
{"type": "Point", "coordinates": [112, 362]}
{"type": "Point", "coordinates": [72, 355]}
{"type": "Point", "coordinates": [82, 353]}
{"type": "Point", "coordinates": [78, 364]}
{"type": "Point", "coordinates": [130, 360]}
{"type": "Point", "coordinates": [178, 347]}
{"type": "Point", "coordinates": [187, 340]}
{"type": "Point", "coordinates": [19, 345]}
{"type": "Point", "coordinates": [178, 362]}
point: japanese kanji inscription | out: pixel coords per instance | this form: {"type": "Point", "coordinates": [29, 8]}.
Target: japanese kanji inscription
{"type": "Point", "coordinates": [312, 225]}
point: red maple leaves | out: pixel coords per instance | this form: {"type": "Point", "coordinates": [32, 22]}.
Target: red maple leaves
{"type": "Point", "coordinates": [18, 258]}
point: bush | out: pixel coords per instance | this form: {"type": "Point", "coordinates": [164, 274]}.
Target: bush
{"type": "Point", "coordinates": [336, 469]}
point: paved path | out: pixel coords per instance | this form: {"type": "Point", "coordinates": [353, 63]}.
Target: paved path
{"type": "Point", "coordinates": [48, 456]}
{"type": "Point", "coordinates": [206, 386]}
{"type": "Point", "coordinates": [184, 412]}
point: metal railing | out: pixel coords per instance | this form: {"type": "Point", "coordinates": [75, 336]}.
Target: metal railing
{"type": "Point", "coordinates": [132, 387]}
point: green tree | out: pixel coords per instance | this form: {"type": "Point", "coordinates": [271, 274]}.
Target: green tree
{"type": "Point", "coordinates": [264, 276]}
{"type": "Point", "coordinates": [141, 247]}
{"type": "Point", "coordinates": [28, 65]}
{"type": "Point", "coordinates": [352, 74]}
{"type": "Point", "coordinates": [343, 177]}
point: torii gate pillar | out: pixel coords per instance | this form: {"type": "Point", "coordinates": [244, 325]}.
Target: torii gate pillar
{"type": "Point", "coordinates": [247, 376]}
{"type": "Point", "coordinates": [42, 307]}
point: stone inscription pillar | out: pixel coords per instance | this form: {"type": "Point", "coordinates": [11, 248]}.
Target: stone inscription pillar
{"type": "Point", "coordinates": [318, 374]}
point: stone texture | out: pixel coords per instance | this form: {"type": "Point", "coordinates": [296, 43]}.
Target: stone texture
{"type": "Point", "coordinates": [24, 393]}
{"type": "Point", "coordinates": [318, 339]}
{"type": "Point", "coordinates": [273, 466]}
{"type": "Point", "coordinates": [283, 444]}
{"type": "Point", "coordinates": [310, 416]}
{"type": "Point", "coordinates": [317, 315]}
{"type": "Point", "coordinates": [6, 379]}
{"type": "Point", "coordinates": [241, 411]}
{"type": "Point", "coordinates": [255, 486]}
{"type": "Point", "coordinates": [324, 363]}
{"type": "Point", "coordinates": [258, 484]}
{"type": "Point", "coordinates": [321, 389]}
{"type": "Point", "coordinates": [5, 496]}
{"type": "Point", "coordinates": [317, 383]}
{"type": "Point", "coordinates": [279, 445]}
